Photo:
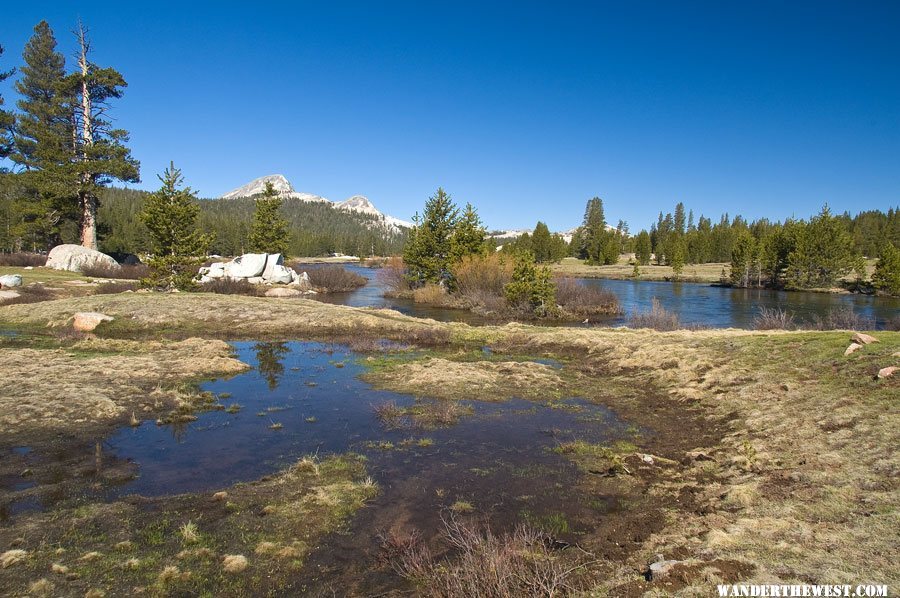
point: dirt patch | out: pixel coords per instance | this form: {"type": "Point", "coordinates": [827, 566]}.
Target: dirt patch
{"type": "Point", "coordinates": [250, 539]}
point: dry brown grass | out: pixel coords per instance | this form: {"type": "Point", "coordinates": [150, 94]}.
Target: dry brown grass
{"type": "Point", "coordinates": [122, 271]}
{"type": "Point", "coordinates": [623, 270]}
{"type": "Point", "coordinates": [483, 380]}
{"type": "Point", "coordinates": [95, 382]}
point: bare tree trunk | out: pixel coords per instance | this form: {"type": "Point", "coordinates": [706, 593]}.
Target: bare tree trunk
{"type": "Point", "coordinates": [86, 197]}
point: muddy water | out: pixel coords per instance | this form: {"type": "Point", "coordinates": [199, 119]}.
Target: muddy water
{"type": "Point", "coordinates": [498, 458]}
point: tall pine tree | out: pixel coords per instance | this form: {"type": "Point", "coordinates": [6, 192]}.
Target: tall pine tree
{"type": "Point", "coordinates": [43, 141]}
{"type": "Point", "coordinates": [7, 120]}
{"type": "Point", "coordinates": [468, 235]}
{"type": "Point", "coordinates": [100, 150]}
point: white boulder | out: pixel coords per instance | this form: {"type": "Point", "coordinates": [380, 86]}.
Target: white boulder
{"type": "Point", "coordinates": [12, 280]}
{"type": "Point", "coordinates": [279, 275]}
{"type": "Point", "coordinates": [248, 265]}
{"type": "Point", "coordinates": [273, 260]}
{"type": "Point", "coordinates": [75, 258]}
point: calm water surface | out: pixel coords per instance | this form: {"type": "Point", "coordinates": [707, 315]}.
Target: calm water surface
{"type": "Point", "coordinates": [717, 307]}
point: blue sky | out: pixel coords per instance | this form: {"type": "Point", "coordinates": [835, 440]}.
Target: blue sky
{"type": "Point", "coordinates": [525, 109]}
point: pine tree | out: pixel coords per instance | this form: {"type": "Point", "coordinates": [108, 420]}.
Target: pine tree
{"type": "Point", "coordinates": [99, 147]}
{"type": "Point", "coordinates": [593, 231]}
{"type": "Point", "coordinates": [468, 235]}
{"type": "Point", "coordinates": [268, 231]}
{"type": "Point", "coordinates": [532, 287]}
{"type": "Point", "coordinates": [642, 248]}
{"type": "Point", "coordinates": [43, 140]}
{"type": "Point", "coordinates": [679, 227]}
{"type": "Point", "coordinates": [7, 120]}
{"type": "Point", "coordinates": [427, 254]}
{"type": "Point", "coordinates": [886, 277]}
{"type": "Point", "coordinates": [541, 243]}
{"type": "Point", "coordinates": [823, 252]}
{"type": "Point", "coordinates": [178, 247]}
{"type": "Point", "coordinates": [742, 260]}
{"type": "Point", "coordinates": [676, 257]}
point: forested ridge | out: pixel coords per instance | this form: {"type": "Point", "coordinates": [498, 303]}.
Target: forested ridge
{"type": "Point", "coordinates": [314, 228]}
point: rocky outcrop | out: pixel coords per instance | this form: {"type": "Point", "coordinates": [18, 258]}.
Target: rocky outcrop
{"type": "Point", "coordinates": [10, 280]}
{"type": "Point", "coordinates": [75, 258]}
{"type": "Point", "coordinates": [257, 268]}
{"type": "Point", "coordinates": [887, 372]}
{"type": "Point", "coordinates": [87, 321]}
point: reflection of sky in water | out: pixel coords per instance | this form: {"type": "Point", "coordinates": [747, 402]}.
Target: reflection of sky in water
{"type": "Point", "coordinates": [324, 408]}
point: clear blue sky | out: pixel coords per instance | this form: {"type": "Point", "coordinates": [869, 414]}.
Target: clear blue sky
{"type": "Point", "coordinates": [525, 109]}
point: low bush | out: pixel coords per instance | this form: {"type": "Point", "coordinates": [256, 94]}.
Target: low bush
{"type": "Point", "coordinates": [585, 300]}
{"type": "Point", "coordinates": [392, 276]}
{"type": "Point", "coordinates": [774, 319]}
{"type": "Point", "coordinates": [230, 286]}
{"type": "Point", "coordinates": [22, 259]}
{"type": "Point", "coordinates": [658, 318]}
{"type": "Point", "coordinates": [33, 293]}
{"type": "Point", "coordinates": [120, 272]}
{"type": "Point", "coordinates": [842, 318]}
{"type": "Point", "coordinates": [431, 294]}
{"type": "Point", "coordinates": [334, 279]}
{"type": "Point", "coordinates": [521, 563]}
{"type": "Point", "coordinates": [481, 277]}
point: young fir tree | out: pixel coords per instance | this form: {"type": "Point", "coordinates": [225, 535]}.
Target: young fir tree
{"type": "Point", "coordinates": [642, 248]}
{"type": "Point", "coordinates": [886, 277]}
{"type": "Point", "coordinates": [42, 144]}
{"type": "Point", "coordinates": [541, 243]}
{"type": "Point", "coordinates": [676, 257]}
{"type": "Point", "coordinates": [178, 247]}
{"type": "Point", "coordinates": [532, 287]}
{"type": "Point", "coordinates": [593, 231]}
{"type": "Point", "coordinates": [427, 254]}
{"type": "Point", "coordinates": [468, 235]}
{"type": "Point", "coordinates": [269, 229]}
{"type": "Point", "coordinates": [742, 260]}
{"type": "Point", "coordinates": [100, 150]}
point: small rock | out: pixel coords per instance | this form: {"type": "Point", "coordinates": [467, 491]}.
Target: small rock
{"type": "Point", "coordinates": [660, 568]}
{"type": "Point", "coordinates": [887, 372]}
{"type": "Point", "coordinates": [852, 348]}
{"type": "Point", "coordinates": [4, 295]}
{"type": "Point", "coordinates": [86, 321]}
{"type": "Point", "coordinates": [220, 495]}
{"type": "Point", "coordinates": [863, 339]}
{"type": "Point", "coordinates": [283, 292]}
{"type": "Point", "coordinates": [256, 280]}
{"type": "Point", "coordinates": [10, 280]}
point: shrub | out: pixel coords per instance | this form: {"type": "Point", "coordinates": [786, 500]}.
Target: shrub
{"type": "Point", "coordinates": [33, 293]}
{"type": "Point", "coordinates": [123, 271]}
{"type": "Point", "coordinates": [842, 318]}
{"type": "Point", "coordinates": [658, 318]}
{"type": "Point", "coordinates": [585, 300]}
{"type": "Point", "coordinates": [774, 319]}
{"type": "Point", "coordinates": [521, 563]}
{"type": "Point", "coordinates": [431, 294]}
{"type": "Point", "coordinates": [482, 279]}
{"type": "Point", "coordinates": [335, 279]}
{"type": "Point", "coordinates": [230, 286]}
{"type": "Point", "coordinates": [392, 276]}
{"type": "Point", "coordinates": [532, 288]}
{"type": "Point", "coordinates": [22, 259]}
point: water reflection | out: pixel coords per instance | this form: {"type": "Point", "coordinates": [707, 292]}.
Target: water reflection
{"type": "Point", "coordinates": [268, 361]}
